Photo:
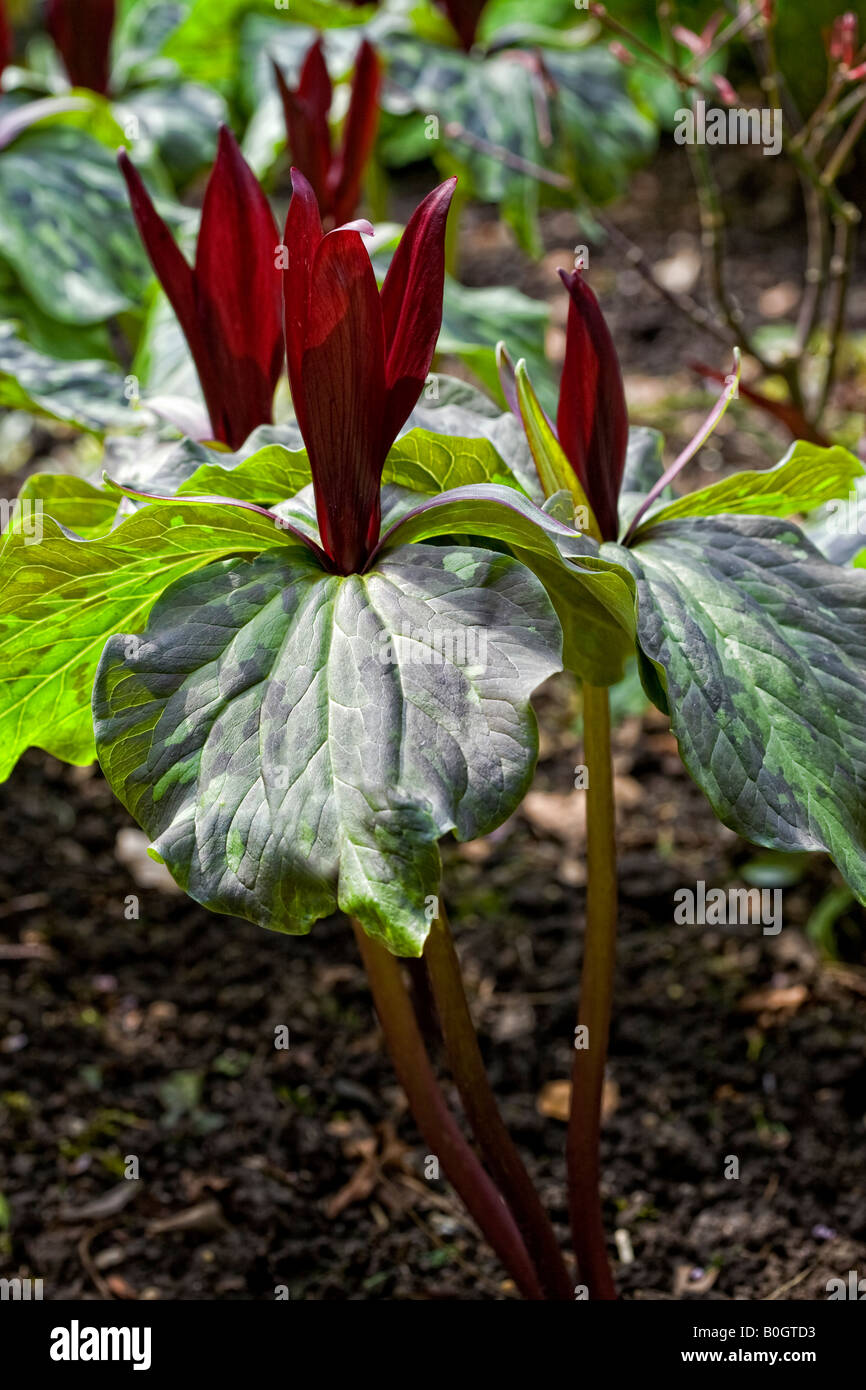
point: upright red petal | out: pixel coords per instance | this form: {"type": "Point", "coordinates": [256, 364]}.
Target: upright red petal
{"type": "Point", "coordinates": [464, 16]}
{"type": "Point", "coordinates": [172, 270]}
{"type": "Point", "coordinates": [6, 40]}
{"type": "Point", "coordinates": [343, 385]}
{"type": "Point", "coordinates": [302, 236]}
{"type": "Point", "coordinates": [412, 307]}
{"type": "Point", "coordinates": [239, 295]}
{"type": "Point", "coordinates": [592, 422]}
{"type": "Point", "coordinates": [306, 109]}
{"type": "Point", "coordinates": [81, 30]}
{"type": "Point", "coordinates": [359, 134]}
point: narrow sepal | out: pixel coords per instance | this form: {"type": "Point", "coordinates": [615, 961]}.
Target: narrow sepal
{"type": "Point", "coordinates": [412, 307]}
{"type": "Point", "coordinates": [343, 386]}
{"type": "Point", "coordinates": [359, 135]}
{"type": "Point", "coordinates": [592, 422]}
{"type": "Point", "coordinates": [82, 30]}
{"type": "Point", "coordinates": [239, 296]}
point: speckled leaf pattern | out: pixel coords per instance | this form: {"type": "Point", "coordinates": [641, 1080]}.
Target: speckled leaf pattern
{"type": "Point", "coordinates": [763, 644]}
{"type": "Point", "coordinates": [61, 598]}
{"type": "Point", "coordinates": [66, 227]}
{"type": "Point", "coordinates": [87, 394]}
{"type": "Point", "coordinates": [295, 741]}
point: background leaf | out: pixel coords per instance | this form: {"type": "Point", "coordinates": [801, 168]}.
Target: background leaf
{"type": "Point", "coordinates": [763, 644]}
{"type": "Point", "coordinates": [66, 228]}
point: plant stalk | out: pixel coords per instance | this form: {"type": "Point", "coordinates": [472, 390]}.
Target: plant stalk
{"type": "Point", "coordinates": [435, 1121]}
{"type": "Point", "coordinates": [497, 1148]}
{"type": "Point", "coordinates": [596, 993]}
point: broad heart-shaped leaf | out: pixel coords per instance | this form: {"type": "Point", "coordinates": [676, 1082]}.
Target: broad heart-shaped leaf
{"type": "Point", "coordinates": [593, 596]}
{"type": "Point", "coordinates": [806, 477]}
{"type": "Point", "coordinates": [66, 228]}
{"type": "Point", "coordinates": [89, 395]}
{"type": "Point", "coordinates": [295, 741]}
{"type": "Point", "coordinates": [763, 645]}
{"type": "Point", "coordinates": [61, 598]}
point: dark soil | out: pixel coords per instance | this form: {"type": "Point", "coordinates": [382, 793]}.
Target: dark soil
{"type": "Point", "coordinates": [261, 1167]}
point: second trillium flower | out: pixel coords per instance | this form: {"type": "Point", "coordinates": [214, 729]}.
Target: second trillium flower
{"type": "Point", "coordinates": [334, 175]}
{"type": "Point", "coordinates": [229, 304]}
{"type": "Point", "coordinates": [358, 360]}
{"type": "Point", "coordinates": [592, 420]}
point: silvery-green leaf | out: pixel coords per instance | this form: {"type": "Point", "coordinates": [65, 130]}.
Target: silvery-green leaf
{"type": "Point", "coordinates": [593, 596]}
{"type": "Point", "coordinates": [763, 645]}
{"type": "Point", "coordinates": [294, 741]}
{"type": "Point", "coordinates": [66, 228]}
{"type": "Point", "coordinates": [90, 395]}
{"type": "Point", "coordinates": [61, 598]}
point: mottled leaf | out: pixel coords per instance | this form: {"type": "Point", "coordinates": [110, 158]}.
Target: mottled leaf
{"type": "Point", "coordinates": [763, 645]}
{"type": "Point", "coordinates": [295, 742]}
{"type": "Point", "coordinates": [594, 599]}
{"type": "Point", "coordinates": [87, 394]}
{"type": "Point", "coordinates": [66, 227]}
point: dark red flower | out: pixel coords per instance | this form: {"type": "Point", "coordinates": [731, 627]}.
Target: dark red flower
{"type": "Point", "coordinates": [6, 42]}
{"type": "Point", "coordinates": [230, 304]}
{"type": "Point", "coordinates": [358, 360]}
{"type": "Point", "coordinates": [334, 175]}
{"type": "Point", "coordinates": [591, 421]}
{"type": "Point", "coordinates": [464, 16]}
{"type": "Point", "coordinates": [81, 30]}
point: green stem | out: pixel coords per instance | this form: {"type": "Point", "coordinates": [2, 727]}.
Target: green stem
{"type": "Point", "coordinates": [482, 1112]}
{"type": "Point", "coordinates": [596, 993]}
{"type": "Point", "coordinates": [434, 1119]}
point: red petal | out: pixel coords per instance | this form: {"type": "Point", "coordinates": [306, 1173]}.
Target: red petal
{"type": "Point", "coordinates": [6, 48]}
{"type": "Point", "coordinates": [464, 16]}
{"type": "Point", "coordinates": [302, 236]}
{"type": "Point", "coordinates": [82, 31]}
{"type": "Point", "coordinates": [172, 270]}
{"type": "Point", "coordinates": [412, 307]}
{"type": "Point", "coordinates": [592, 422]}
{"type": "Point", "coordinates": [239, 296]}
{"type": "Point", "coordinates": [343, 381]}
{"type": "Point", "coordinates": [359, 134]}
{"type": "Point", "coordinates": [306, 115]}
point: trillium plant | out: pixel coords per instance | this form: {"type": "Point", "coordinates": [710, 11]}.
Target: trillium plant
{"type": "Point", "coordinates": [301, 668]}
{"type": "Point", "coordinates": [335, 175]}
